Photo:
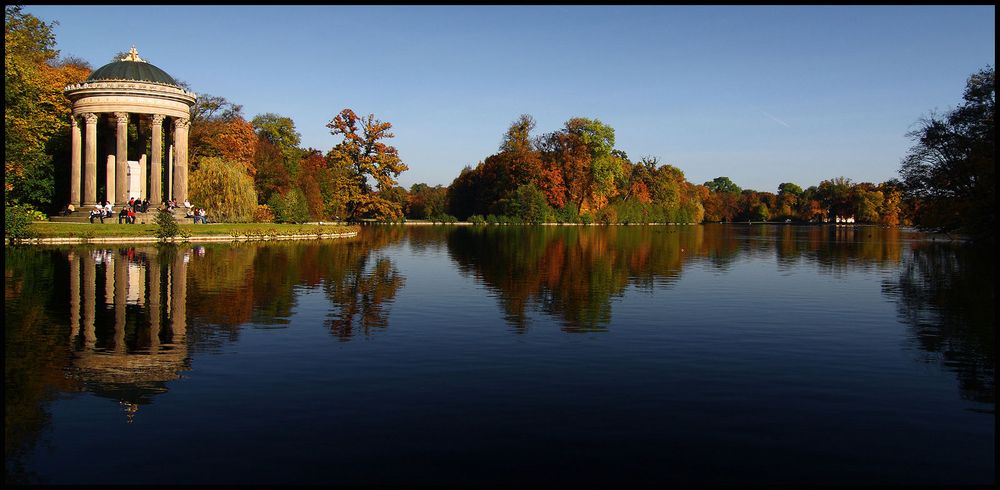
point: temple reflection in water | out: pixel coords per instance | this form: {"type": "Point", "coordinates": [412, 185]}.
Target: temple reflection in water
{"type": "Point", "coordinates": [136, 343]}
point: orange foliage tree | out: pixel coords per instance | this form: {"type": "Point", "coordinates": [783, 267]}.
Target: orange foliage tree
{"type": "Point", "coordinates": [364, 149]}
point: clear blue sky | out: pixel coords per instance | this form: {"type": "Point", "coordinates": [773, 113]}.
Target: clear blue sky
{"type": "Point", "coordinates": [762, 95]}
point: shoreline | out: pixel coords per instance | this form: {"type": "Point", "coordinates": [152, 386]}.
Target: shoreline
{"type": "Point", "coordinates": [179, 239]}
{"type": "Point", "coordinates": [252, 236]}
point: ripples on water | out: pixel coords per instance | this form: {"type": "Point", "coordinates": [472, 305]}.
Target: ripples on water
{"type": "Point", "coordinates": [706, 354]}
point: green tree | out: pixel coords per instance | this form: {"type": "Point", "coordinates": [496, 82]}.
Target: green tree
{"type": "Point", "coordinates": [951, 171]}
{"type": "Point", "coordinates": [280, 132]}
{"type": "Point", "coordinates": [869, 204]}
{"type": "Point", "coordinates": [212, 107]}
{"type": "Point", "coordinates": [760, 212]}
{"type": "Point", "coordinates": [531, 204]}
{"type": "Point", "coordinates": [291, 207]}
{"type": "Point", "coordinates": [789, 188]}
{"type": "Point", "coordinates": [723, 184]}
{"type": "Point", "coordinates": [225, 190]}
{"type": "Point", "coordinates": [605, 168]}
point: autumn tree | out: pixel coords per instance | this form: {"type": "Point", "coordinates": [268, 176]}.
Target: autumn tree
{"type": "Point", "coordinates": [364, 149]}
{"type": "Point", "coordinates": [722, 202]}
{"type": "Point", "coordinates": [892, 212]}
{"type": "Point", "coordinates": [271, 177]}
{"type": "Point", "coordinates": [230, 139]}
{"type": "Point", "coordinates": [810, 207]}
{"type": "Point", "coordinates": [280, 131]}
{"type": "Point", "coordinates": [224, 189]}
{"type": "Point", "coordinates": [835, 196]}
{"type": "Point", "coordinates": [869, 202]}
{"type": "Point", "coordinates": [426, 201]}
{"type": "Point", "coordinates": [523, 160]}
{"type": "Point", "coordinates": [36, 113]}
{"type": "Point", "coordinates": [219, 130]}
{"type": "Point", "coordinates": [567, 152]}
{"type": "Point", "coordinates": [789, 195]}
{"type": "Point", "coordinates": [338, 186]}
{"type": "Point", "coordinates": [312, 171]}
{"type": "Point", "coordinates": [951, 171]}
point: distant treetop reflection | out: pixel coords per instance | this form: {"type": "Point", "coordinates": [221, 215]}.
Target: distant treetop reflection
{"type": "Point", "coordinates": [573, 273]}
{"type": "Point", "coordinates": [568, 272]}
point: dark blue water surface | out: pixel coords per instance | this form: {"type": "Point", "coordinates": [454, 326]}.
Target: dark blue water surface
{"type": "Point", "coordinates": [437, 355]}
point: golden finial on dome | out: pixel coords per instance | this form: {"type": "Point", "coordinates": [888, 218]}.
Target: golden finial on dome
{"type": "Point", "coordinates": [133, 55]}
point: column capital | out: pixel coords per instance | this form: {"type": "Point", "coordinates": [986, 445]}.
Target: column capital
{"type": "Point", "coordinates": [122, 117]}
{"type": "Point", "coordinates": [73, 121]}
{"type": "Point", "coordinates": [157, 118]}
{"type": "Point", "coordinates": [89, 117]}
{"type": "Point", "coordinates": [181, 123]}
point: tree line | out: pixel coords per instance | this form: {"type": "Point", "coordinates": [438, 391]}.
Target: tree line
{"type": "Point", "coordinates": [256, 170]}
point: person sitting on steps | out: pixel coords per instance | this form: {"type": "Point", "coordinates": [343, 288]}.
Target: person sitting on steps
{"type": "Point", "coordinates": [97, 212]}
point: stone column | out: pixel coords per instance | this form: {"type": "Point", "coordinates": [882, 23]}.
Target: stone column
{"type": "Point", "coordinates": [181, 158]}
{"type": "Point", "coordinates": [90, 160]}
{"type": "Point", "coordinates": [110, 181]}
{"type": "Point", "coordinates": [121, 292]}
{"type": "Point", "coordinates": [89, 301]}
{"type": "Point", "coordinates": [143, 194]}
{"type": "Point", "coordinates": [170, 288]}
{"type": "Point", "coordinates": [170, 172]}
{"type": "Point", "coordinates": [141, 284]}
{"type": "Point", "coordinates": [74, 162]}
{"type": "Point", "coordinates": [74, 295]}
{"type": "Point", "coordinates": [154, 301]}
{"type": "Point", "coordinates": [178, 302]}
{"type": "Point", "coordinates": [156, 163]}
{"type": "Point", "coordinates": [121, 158]}
{"type": "Point", "coordinates": [109, 279]}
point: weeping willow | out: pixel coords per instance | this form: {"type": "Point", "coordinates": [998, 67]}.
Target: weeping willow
{"type": "Point", "coordinates": [224, 189]}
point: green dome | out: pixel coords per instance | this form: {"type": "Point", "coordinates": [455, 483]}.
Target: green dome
{"type": "Point", "coordinates": [139, 71]}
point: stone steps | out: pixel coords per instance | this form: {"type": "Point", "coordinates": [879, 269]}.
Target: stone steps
{"type": "Point", "coordinates": [83, 216]}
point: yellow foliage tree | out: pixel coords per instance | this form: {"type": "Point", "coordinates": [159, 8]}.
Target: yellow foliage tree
{"type": "Point", "coordinates": [225, 190]}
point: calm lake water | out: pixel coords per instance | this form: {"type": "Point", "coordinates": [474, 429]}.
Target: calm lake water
{"type": "Point", "coordinates": [437, 355]}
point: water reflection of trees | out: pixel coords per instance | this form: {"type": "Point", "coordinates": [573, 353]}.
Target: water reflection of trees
{"type": "Point", "coordinates": [259, 283]}
{"type": "Point", "coordinates": [572, 273]}
{"type": "Point", "coordinates": [109, 321]}
{"type": "Point", "coordinates": [362, 295]}
{"type": "Point", "coordinates": [945, 293]}
{"type": "Point", "coordinates": [34, 354]}
{"type": "Point", "coordinates": [120, 321]}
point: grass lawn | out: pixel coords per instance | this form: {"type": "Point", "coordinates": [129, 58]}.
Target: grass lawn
{"type": "Point", "coordinates": [42, 229]}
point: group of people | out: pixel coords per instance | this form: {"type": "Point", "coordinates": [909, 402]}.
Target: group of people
{"type": "Point", "coordinates": [101, 210]}
{"type": "Point", "coordinates": [172, 204]}
{"type": "Point", "coordinates": [127, 213]}
{"type": "Point", "coordinates": [197, 214]}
